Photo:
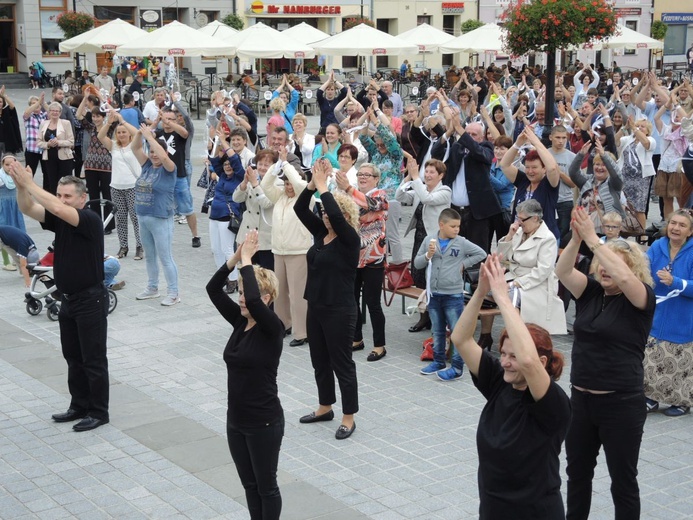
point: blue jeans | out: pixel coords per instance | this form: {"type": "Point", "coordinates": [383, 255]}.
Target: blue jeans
{"type": "Point", "coordinates": [111, 267]}
{"type": "Point", "coordinates": [157, 238]}
{"type": "Point", "coordinates": [445, 309]}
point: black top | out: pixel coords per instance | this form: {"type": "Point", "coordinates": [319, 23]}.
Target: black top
{"type": "Point", "coordinates": [78, 261]}
{"type": "Point", "coordinates": [519, 442]}
{"type": "Point", "coordinates": [609, 344]}
{"type": "Point", "coordinates": [327, 106]}
{"type": "Point", "coordinates": [331, 267]}
{"type": "Point", "coordinates": [251, 356]}
{"type": "Point", "coordinates": [176, 150]}
{"type": "Point", "coordinates": [545, 194]}
{"type": "Point", "coordinates": [52, 152]}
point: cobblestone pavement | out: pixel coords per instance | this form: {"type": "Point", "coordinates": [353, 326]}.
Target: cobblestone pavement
{"type": "Point", "coordinates": [164, 453]}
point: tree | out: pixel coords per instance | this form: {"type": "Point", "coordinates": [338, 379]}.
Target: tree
{"type": "Point", "coordinates": [658, 30]}
{"type": "Point", "coordinates": [234, 21]}
{"type": "Point", "coordinates": [470, 25]}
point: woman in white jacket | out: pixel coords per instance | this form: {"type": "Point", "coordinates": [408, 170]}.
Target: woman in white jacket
{"type": "Point", "coordinates": [428, 196]}
{"type": "Point", "coordinates": [290, 243]}
{"type": "Point", "coordinates": [258, 213]}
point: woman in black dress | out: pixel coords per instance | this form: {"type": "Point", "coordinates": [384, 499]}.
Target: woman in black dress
{"type": "Point", "coordinates": [613, 318]}
{"type": "Point", "coordinates": [331, 319]}
{"type": "Point", "coordinates": [255, 419]}
{"type": "Point", "coordinates": [526, 415]}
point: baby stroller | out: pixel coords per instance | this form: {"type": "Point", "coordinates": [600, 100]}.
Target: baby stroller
{"type": "Point", "coordinates": [42, 284]}
{"type": "Point", "coordinates": [45, 79]}
{"type": "Point", "coordinates": [43, 288]}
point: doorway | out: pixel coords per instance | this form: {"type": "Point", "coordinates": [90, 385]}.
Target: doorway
{"type": "Point", "coordinates": [8, 51]}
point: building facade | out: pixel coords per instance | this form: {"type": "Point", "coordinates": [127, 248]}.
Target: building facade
{"type": "Point", "coordinates": [679, 18]}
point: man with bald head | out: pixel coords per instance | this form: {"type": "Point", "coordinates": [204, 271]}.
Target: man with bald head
{"type": "Point", "coordinates": [468, 166]}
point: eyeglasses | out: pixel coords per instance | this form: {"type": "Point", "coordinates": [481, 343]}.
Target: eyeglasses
{"type": "Point", "coordinates": [524, 219]}
{"type": "Point", "coordinates": [366, 175]}
{"type": "Point", "coordinates": [344, 156]}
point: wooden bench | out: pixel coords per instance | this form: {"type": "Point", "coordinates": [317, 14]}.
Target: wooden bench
{"type": "Point", "coordinates": [415, 292]}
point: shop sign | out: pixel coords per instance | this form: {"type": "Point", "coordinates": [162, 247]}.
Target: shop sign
{"type": "Point", "coordinates": [452, 7]}
{"type": "Point", "coordinates": [380, 52]}
{"type": "Point", "coordinates": [176, 52]}
{"type": "Point", "coordinates": [258, 7]}
{"type": "Point", "coordinates": [150, 19]}
{"type": "Point", "coordinates": [677, 18]}
{"type": "Point", "coordinates": [628, 11]}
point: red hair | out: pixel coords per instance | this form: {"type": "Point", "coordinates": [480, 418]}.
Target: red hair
{"type": "Point", "coordinates": [544, 346]}
{"type": "Point", "coordinates": [533, 155]}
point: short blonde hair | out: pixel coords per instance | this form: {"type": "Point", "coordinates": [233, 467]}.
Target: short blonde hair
{"type": "Point", "coordinates": [348, 208]}
{"type": "Point", "coordinates": [612, 216]}
{"type": "Point", "coordinates": [277, 104]}
{"type": "Point", "coordinates": [648, 125]}
{"type": "Point", "coordinates": [301, 117]}
{"type": "Point", "coordinates": [632, 255]}
{"type": "Point", "coordinates": [267, 282]}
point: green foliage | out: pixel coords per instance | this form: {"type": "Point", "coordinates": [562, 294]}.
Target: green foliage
{"type": "Point", "coordinates": [74, 24]}
{"type": "Point", "coordinates": [350, 23]}
{"type": "Point", "coordinates": [470, 25]}
{"type": "Point", "coordinates": [234, 21]}
{"type": "Point", "coordinates": [548, 25]}
{"type": "Point", "coordinates": [658, 30]}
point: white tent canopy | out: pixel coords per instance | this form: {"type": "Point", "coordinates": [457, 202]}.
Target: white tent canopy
{"type": "Point", "coordinates": [364, 40]}
{"type": "Point", "coordinates": [426, 37]}
{"type": "Point", "coordinates": [486, 38]}
{"type": "Point", "coordinates": [103, 38]}
{"type": "Point", "coordinates": [625, 39]}
{"type": "Point", "coordinates": [264, 42]}
{"type": "Point", "coordinates": [176, 39]}
{"type": "Point", "coordinates": [218, 30]}
{"type": "Point", "coordinates": [305, 33]}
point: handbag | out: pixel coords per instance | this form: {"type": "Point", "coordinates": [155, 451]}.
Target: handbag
{"type": "Point", "coordinates": [203, 181]}
{"type": "Point", "coordinates": [631, 225]}
{"type": "Point", "coordinates": [471, 281]}
{"type": "Point", "coordinates": [234, 221]}
{"type": "Point", "coordinates": [397, 276]}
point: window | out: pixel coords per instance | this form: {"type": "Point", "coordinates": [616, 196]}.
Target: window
{"type": "Point", "coordinates": [172, 13]}
{"type": "Point", "coordinates": [423, 19]}
{"type": "Point", "coordinates": [633, 25]}
{"type": "Point", "coordinates": [111, 12]}
{"type": "Point", "coordinates": [51, 34]}
{"type": "Point", "coordinates": [675, 41]}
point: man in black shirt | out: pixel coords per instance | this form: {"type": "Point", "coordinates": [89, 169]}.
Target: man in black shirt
{"type": "Point", "coordinates": [176, 137]}
{"type": "Point", "coordinates": [78, 272]}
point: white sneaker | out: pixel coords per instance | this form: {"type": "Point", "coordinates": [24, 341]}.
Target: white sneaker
{"type": "Point", "coordinates": [147, 294]}
{"type": "Point", "coordinates": [170, 300]}
{"type": "Point", "coordinates": [183, 220]}
{"type": "Point", "coordinates": [9, 267]}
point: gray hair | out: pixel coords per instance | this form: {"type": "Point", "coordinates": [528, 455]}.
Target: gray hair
{"type": "Point", "coordinates": [531, 208]}
{"type": "Point", "coordinates": [373, 167]}
{"type": "Point", "coordinates": [79, 184]}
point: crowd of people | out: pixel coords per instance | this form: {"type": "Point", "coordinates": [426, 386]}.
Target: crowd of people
{"type": "Point", "coordinates": [544, 209]}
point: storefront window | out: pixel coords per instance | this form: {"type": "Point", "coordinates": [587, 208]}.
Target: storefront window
{"type": "Point", "coordinates": [108, 13]}
{"type": "Point", "coordinates": [51, 34]}
{"type": "Point", "coordinates": [675, 41]}
{"type": "Point", "coordinates": [171, 13]}
{"type": "Point", "coordinates": [633, 25]}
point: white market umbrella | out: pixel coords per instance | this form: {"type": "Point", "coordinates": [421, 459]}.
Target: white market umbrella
{"type": "Point", "coordinates": [305, 33]}
{"type": "Point", "coordinates": [625, 39]}
{"type": "Point", "coordinates": [364, 40]}
{"type": "Point", "coordinates": [426, 37]}
{"type": "Point", "coordinates": [218, 30]}
{"type": "Point", "coordinates": [487, 38]}
{"type": "Point", "coordinates": [104, 38]}
{"type": "Point", "coordinates": [176, 39]}
{"type": "Point", "coordinates": [262, 41]}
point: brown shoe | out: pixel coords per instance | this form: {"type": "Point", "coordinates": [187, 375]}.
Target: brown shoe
{"type": "Point", "coordinates": [118, 286]}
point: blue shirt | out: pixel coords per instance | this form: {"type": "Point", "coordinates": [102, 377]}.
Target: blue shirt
{"type": "Point", "coordinates": [154, 191]}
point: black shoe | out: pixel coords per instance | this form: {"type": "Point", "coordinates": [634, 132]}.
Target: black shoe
{"type": "Point", "coordinates": [298, 342]}
{"type": "Point", "coordinates": [311, 417]}
{"type": "Point", "coordinates": [70, 415]}
{"type": "Point", "coordinates": [196, 242]}
{"type": "Point", "coordinates": [107, 232]}
{"type": "Point", "coordinates": [358, 346]}
{"type": "Point", "coordinates": [287, 332]}
{"type": "Point", "coordinates": [122, 252]}
{"type": "Point", "coordinates": [88, 423]}
{"type": "Point", "coordinates": [374, 356]}
{"type": "Point", "coordinates": [343, 432]}
{"type": "Point", "coordinates": [421, 325]}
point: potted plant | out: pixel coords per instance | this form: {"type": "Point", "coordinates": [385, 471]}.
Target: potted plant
{"type": "Point", "coordinates": [350, 23]}
{"type": "Point", "coordinates": [74, 24]}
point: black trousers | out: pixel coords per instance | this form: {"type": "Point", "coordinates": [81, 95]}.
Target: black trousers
{"type": "Point", "coordinates": [53, 171]}
{"type": "Point", "coordinates": [370, 280]}
{"type": "Point", "coordinates": [79, 161]}
{"type": "Point", "coordinates": [614, 421]}
{"type": "Point", "coordinates": [255, 451]}
{"type": "Point", "coordinates": [99, 187]}
{"type": "Point", "coordinates": [474, 230]}
{"type": "Point", "coordinates": [330, 334]}
{"type": "Point", "coordinates": [33, 160]}
{"type": "Point", "coordinates": [83, 331]}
